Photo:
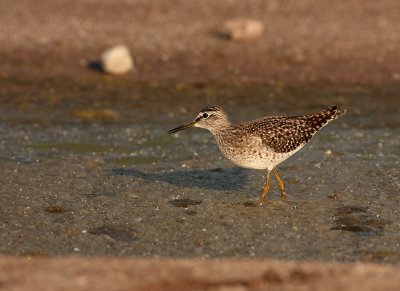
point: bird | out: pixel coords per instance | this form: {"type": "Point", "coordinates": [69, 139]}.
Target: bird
{"type": "Point", "coordinates": [262, 143]}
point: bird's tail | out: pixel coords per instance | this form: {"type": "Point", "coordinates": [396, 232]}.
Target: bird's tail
{"type": "Point", "coordinates": [334, 112]}
{"type": "Point", "coordinates": [320, 119]}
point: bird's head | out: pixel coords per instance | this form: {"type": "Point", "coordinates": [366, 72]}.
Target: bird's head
{"type": "Point", "coordinates": [212, 118]}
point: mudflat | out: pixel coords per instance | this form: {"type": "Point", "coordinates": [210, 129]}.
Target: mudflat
{"type": "Point", "coordinates": [90, 171]}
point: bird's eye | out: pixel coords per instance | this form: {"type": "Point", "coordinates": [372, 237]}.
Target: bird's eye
{"type": "Point", "coordinates": [205, 115]}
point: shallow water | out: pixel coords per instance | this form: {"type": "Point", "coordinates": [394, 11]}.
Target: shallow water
{"type": "Point", "coordinates": [89, 169]}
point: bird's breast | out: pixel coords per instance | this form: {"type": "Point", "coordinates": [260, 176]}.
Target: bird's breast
{"type": "Point", "coordinates": [250, 152]}
{"type": "Point", "coordinates": [245, 151]}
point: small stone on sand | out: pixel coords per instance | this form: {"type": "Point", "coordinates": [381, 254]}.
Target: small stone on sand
{"type": "Point", "coordinates": [243, 29]}
{"type": "Point", "coordinates": [117, 60]}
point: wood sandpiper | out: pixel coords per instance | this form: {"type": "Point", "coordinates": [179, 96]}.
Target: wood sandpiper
{"type": "Point", "coordinates": [262, 143]}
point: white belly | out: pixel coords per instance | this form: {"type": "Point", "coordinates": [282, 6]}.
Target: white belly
{"type": "Point", "coordinates": [251, 153]}
{"type": "Point", "coordinates": [266, 159]}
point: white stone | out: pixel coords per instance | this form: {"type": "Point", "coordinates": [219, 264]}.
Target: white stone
{"type": "Point", "coordinates": [243, 29]}
{"type": "Point", "coordinates": [117, 60]}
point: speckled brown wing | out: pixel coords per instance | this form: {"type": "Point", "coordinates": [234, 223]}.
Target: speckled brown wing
{"type": "Point", "coordinates": [286, 133]}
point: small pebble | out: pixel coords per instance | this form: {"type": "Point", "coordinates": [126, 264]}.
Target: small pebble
{"type": "Point", "coordinates": [243, 29]}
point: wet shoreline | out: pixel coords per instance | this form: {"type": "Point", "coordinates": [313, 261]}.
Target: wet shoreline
{"type": "Point", "coordinates": [81, 180]}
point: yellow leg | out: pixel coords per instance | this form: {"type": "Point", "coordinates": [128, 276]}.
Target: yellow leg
{"type": "Point", "coordinates": [280, 183]}
{"type": "Point", "coordinates": [265, 190]}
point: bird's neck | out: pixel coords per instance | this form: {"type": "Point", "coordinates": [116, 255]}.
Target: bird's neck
{"type": "Point", "coordinates": [220, 126]}
{"type": "Point", "coordinates": [220, 130]}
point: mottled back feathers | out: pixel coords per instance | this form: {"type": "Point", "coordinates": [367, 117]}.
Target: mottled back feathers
{"type": "Point", "coordinates": [284, 134]}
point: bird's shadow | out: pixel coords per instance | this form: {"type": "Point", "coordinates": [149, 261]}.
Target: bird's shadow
{"type": "Point", "coordinates": [215, 179]}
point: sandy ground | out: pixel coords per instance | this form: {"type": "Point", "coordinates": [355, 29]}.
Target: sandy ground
{"type": "Point", "coordinates": [345, 42]}
{"type": "Point", "coordinates": [88, 168]}
{"type": "Point", "coordinates": [128, 274]}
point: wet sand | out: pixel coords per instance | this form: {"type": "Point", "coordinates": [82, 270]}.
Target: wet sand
{"type": "Point", "coordinates": [123, 186]}
{"type": "Point", "coordinates": [89, 169]}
